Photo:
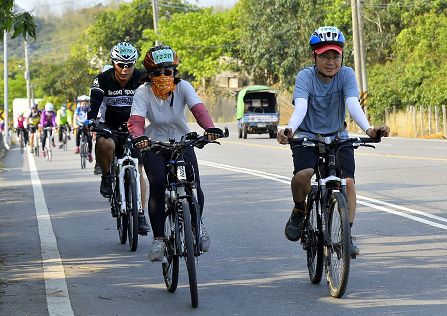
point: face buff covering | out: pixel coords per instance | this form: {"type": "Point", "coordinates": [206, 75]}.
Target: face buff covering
{"type": "Point", "coordinates": [162, 86]}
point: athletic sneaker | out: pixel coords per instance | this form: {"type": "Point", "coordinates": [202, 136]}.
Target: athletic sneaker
{"type": "Point", "coordinates": [106, 186]}
{"type": "Point", "coordinates": [204, 237]}
{"type": "Point", "coordinates": [355, 251]}
{"type": "Point", "coordinates": [157, 251]}
{"type": "Point", "coordinates": [294, 225]}
{"type": "Point", "coordinates": [97, 170]}
{"type": "Point", "coordinates": [143, 226]}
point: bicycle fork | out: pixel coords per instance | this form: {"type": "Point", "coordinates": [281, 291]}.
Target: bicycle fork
{"type": "Point", "coordinates": [122, 170]}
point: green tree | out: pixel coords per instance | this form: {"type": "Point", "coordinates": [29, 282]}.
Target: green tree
{"type": "Point", "coordinates": [126, 22]}
{"type": "Point", "coordinates": [274, 44]}
{"type": "Point", "coordinates": [200, 39]}
{"type": "Point", "coordinates": [21, 23]}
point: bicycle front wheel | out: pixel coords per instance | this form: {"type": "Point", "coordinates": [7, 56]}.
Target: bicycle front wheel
{"type": "Point", "coordinates": [121, 219]}
{"type": "Point", "coordinates": [130, 186]}
{"type": "Point", "coordinates": [337, 250]}
{"type": "Point", "coordinates": [312, 238]}
{"type": "Point", "coordinates": [189, 255]}
{"type": "Point", "coordinates": [171, 265]}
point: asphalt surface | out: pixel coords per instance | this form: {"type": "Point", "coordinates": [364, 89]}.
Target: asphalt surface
{"type": "Point", "coordinates": [251, 269]}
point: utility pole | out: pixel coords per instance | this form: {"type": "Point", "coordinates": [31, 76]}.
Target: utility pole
{"type": "Point", "coordinates": [356, 40]}
{"type": "Point", "coordinates": [5, 79]}
{"type": "Point", "coordinates": [155, 17]}
{"type": "Point", "coordinates": [27, 75]}
{"type": "Point", "coordinates": [364, 92]}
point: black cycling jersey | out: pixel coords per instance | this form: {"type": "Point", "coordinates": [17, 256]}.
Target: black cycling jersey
{"type": "Point", "coordinates": [118, 101]}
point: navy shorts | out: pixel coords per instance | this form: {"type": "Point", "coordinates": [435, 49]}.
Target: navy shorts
{"type": "Point", "coordinates": [119, 143]}
{"type": "Point", "coordinates": [307, 157]}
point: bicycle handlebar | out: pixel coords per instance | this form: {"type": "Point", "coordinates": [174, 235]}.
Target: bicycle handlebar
{"type": "Point", "coordinates": [190, 139]}
{"type": "Point", "coordinates": [311, 142]}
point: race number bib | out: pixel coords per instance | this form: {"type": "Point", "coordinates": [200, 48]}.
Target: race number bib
{"type": "Point", "coordinates": [163, 56]}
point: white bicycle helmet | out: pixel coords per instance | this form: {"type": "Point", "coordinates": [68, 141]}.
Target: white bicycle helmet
{"type": "Point", "coordinates": [49, 107]}
{"type": "Point", "coordinates": [84, 98]}
{"type": "Point", "coordinates": [124, 52]}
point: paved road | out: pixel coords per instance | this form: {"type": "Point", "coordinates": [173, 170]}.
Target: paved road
{"type": "Point", "coordinates": [401, 229]}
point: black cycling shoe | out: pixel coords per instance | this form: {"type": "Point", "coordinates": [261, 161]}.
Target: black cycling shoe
{"type": "Point", "coordinates": [143, 226]}
{"type": "Point", "coordinates": [97, 170]}
{"type": "Point", "coordinates": [106, 186]}
{"type": "Point", "coordinates": [294, 225]}
{"type": "Point", "coordinates": [355, 251]}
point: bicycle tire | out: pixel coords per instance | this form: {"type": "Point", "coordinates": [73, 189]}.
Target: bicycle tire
{"type": "Point", "coordinates": [312, 238]}
{"type": "Point", "coordinates": [130, 187]}
{"type": "Point", "coordinates": [36, 145]}
{"type": "Point", "coordinates": [64, 140]}
{"type": "Point", "coordinates": [83, 153]}
{"type": "Point", "coordinates": [337, 251]}
{"type": "Point", "coordinates": [189, 255]}
{"type": "Point", "coordinates": [121, 219]}
{"type": "Point", "coordinates": [194, 208]}
{"type": "Point", "coordinates": [171, 265]}
{"type": "Point", "coordinates": [21, 142]}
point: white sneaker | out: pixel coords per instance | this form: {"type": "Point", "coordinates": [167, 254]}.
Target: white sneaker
{"type": "Point", "coordinates": [157, 251]}
{"type": "Point", "coordinates": [204, 237]}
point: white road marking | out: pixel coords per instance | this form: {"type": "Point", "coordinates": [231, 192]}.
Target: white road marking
{"type": "Point", "coordinates": [58, 300]}
{"type": "Point", "coordinates": [360, 199]}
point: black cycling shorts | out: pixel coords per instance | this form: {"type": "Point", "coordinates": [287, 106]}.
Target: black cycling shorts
{"type": "Point", "coordinates": [119, 143]}
{"type": "Point", "coordinates": [307, 157]}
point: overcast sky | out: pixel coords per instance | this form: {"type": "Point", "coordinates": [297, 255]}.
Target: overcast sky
{"type": "Point", "coordinates": [57, 6]}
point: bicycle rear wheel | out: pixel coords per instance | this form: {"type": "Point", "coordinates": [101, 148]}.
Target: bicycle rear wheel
{"type": "Point", "coordinates": [21, 142]}
{"type": "Point", "coordinates": [312, 238]}
{"type": "Point", "coordinates": [337, 251]}
{"type": "Point", "coordinates": [84, 153]}
{"type": "Point", "coordinates": [64, 139]}
{"type": "Point", "coordinates": [189, 255]}
{"type": "Point", "coordinates": [130, 187]}
{"type": "Point", "coordinates": [171, 265]}
{"type": "Point", "coordinates": [36, 145]}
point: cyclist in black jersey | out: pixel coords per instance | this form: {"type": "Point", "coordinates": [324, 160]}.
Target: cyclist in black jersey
{"type": "Point", "coordinates": [115, 89]}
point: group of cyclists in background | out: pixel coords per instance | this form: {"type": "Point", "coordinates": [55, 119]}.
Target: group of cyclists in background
{"type": "Point", "coordinates": [42, 123]}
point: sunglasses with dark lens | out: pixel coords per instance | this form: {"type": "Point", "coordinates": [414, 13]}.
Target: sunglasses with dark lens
{"type": "Point", "coordinates": [164, 71]}
{"type": "Point", "coordinates": [122, 65]}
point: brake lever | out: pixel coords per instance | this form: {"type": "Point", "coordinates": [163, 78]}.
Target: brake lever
{"type": "Point", "coordinates": [368, 145]}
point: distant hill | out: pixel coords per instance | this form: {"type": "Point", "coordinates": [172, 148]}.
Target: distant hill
{"type": "Point", "coordinates": [55, 35]}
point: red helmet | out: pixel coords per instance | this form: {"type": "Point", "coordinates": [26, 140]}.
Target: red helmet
{"type": "Point", "coordinates": [160, 56]}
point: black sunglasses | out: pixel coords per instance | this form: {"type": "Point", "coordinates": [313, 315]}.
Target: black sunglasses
{"type": "Point", "coordinates": [122, 65]}
{"type": "Point", "coordinates": [164, 71]}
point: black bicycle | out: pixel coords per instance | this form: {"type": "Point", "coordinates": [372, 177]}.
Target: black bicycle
{"type": "Point", "coordinates": [65, 135]}
{"type": "Point", "coordinates": [183, 218]}
{"type": "Point", "coordinates": [83, 148]}
{"type": "Point", "coordinates": [125, 201]}
{"type": "Point", "coordinates": [326, 235]}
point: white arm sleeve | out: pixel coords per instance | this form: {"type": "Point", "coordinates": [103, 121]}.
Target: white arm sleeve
{"type": "Point", "coordinates": [356, 112]}
{"type": "Point", "coordinates": [298, 114]}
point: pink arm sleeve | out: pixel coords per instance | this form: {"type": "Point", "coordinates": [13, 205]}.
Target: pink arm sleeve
{"type": "Point", "coordinates": [135, 125]}
{"type": "Point", "coordinates": [202, 116]}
